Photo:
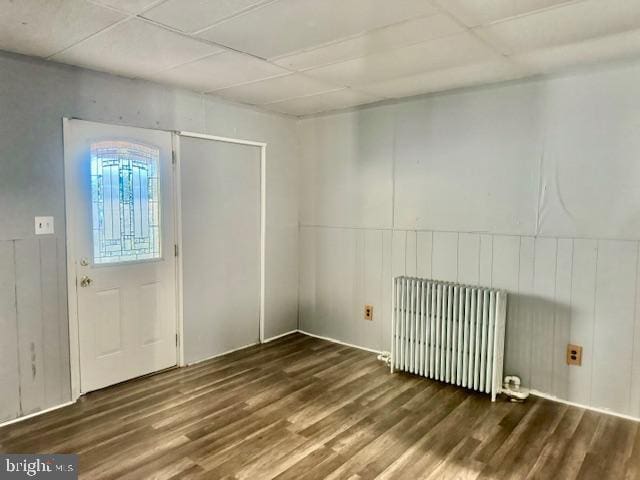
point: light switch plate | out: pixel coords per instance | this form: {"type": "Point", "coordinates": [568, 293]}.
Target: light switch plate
{"type": "Point", "coordinates": [44, 226]}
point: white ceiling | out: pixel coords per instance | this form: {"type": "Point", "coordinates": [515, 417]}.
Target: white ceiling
{"type": "Point", "coordinates": [302, 57]}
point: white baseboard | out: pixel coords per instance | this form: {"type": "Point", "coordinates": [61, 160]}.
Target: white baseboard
{"type": "Point", "coordinates": [553, 398]}
{"type": "Point", "coordinates": [36, 414]}
{"type": "Point", "coordinates": [221, 354]}
{"type": "Point", "coordinates": [329, 339]}
{"type": "Point", "coordinates": [271, 339]}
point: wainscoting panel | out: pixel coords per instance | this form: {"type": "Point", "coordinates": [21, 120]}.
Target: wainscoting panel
{"type": "Point", "coordinates": [561, 290]}
{"type": "Point", "coordinates": [614, 324]}
{"type": "Point", "coordinates": [583, 288]}
{"type": "Point", "coordinates": [9, 373]}
{"type": "Point", "coordinates": [34, 371]}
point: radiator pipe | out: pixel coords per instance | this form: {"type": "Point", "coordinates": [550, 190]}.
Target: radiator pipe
{"type": "Point", "coordinates": [385, 357]}
{"type": "Point", "coordinates": [511, 388]}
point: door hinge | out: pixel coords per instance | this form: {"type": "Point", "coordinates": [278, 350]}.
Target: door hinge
{"type": "Point", "coordinates": [175, 250]}
{"type": "Point", "coordinates": [173, 157]}
{"type": "Point", "coordinates": [176, 339]}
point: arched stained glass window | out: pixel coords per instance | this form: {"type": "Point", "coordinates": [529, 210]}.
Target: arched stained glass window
{"type": "Point", "coordinates": [125, 197]}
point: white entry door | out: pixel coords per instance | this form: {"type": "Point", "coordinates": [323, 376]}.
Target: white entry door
{"type": "Point", "coordinates": [119, 184]}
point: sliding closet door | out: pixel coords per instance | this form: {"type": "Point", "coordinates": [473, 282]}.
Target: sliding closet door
{"type": "Point", "coordinates": [220, 206]}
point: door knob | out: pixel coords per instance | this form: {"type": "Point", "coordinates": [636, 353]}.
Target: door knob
{"type": "Point", "coordinates": [85, 281]}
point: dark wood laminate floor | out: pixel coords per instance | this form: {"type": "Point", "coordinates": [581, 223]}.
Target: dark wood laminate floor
{"type": "Point", "coordinates": [305, 408]}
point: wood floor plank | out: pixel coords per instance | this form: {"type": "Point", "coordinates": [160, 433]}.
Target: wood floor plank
{"type": "Point", "coordinates": [609, 450]}
{"type": "Point", "coordinates": [632, 467]}
{"type": "Point", "coordinates": [424, 455]}
{"type": "Point", "coordinates": [520, 450]}
{"type": "Point", "coordinates": [302, 407]}
{"type": "Point", "coordinates": [551, 457]}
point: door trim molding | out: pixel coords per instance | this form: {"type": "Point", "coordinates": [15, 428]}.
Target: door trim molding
{"type": "Point", "coordinates": [72, 287]}
{"type": "Point", "coordinates": [263, 226]}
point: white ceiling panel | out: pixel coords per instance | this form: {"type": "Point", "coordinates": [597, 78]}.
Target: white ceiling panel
{"type": "Point", "coordinates": [445, 52]}
{"type": "Point", "coordinates": [379, 40]}
{"type": "Point", "coordinates": [129, 6]}
{"type": "Point", "coordinates": [193, 15]}
{"type": "Point", "coordinates": [439, 80]}
{"type": "Point", "coordinates": [614, 47]}
{"type": "Point", "coordinates": [45, 27]}
{"type": "Point", "coordinates": [563, 25]}
{"type": "Point", "coordinates": [480, 12]}
{"type": "Point", "coordinates": [308, 56]}
{"type": "Point", "coordinates": [275, 89]}
{"type": "Point", "coordinates": [288, 26]}
{"type": "Point", "coordinates": [135, 48]}
{"type": "Point", "coordinates": [219, 71]}
{"type": "Point", "coordinates": [322, 102]}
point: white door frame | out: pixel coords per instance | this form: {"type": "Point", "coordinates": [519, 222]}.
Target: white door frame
{"type": "Point", "coordinates": [263, 225]}
{"type": "Point", "coordinates": [72, 289]}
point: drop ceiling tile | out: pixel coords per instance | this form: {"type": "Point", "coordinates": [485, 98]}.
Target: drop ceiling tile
{"type": "Point", "coordinates": [219, 71]}
{"type": "Point", "coordinates": [613, 47]}
{"type": "Point", "coordinates": [193, 15]}
{"type": "Point", "coordinates": [287, 26]}
{"type": "Point", "coordinates": [44, 27]}
{"type": "Point", "coordinates": [447, 79]}
{"type": "Point", "coordinates": [480, 12]}
{"type": "Point", "coordinates": [563, 25]}
{"type": "Point", "coordinates": [135, 48]}
{"type": "Point", "coordinates": [129, 6]}
{"type": "Point", "coordinates": [379, 40]}
{"type": "Point", "coordinates": [322, 102]}
{"type": "Point", "coordinates": [275, 89]}
{"type": "Point", "coordinates": [445, 52]}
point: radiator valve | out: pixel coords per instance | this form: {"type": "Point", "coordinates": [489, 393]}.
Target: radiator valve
{"type": "Point", "coordinates": [512, 389]}
{"type": "Point", "coordinates": [385, 357]}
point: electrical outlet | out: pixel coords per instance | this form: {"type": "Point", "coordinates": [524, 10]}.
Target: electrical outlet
{"type": "Point", "coordinates": [368, 312]}
{"type": "Point", "coordinates": [574, 355]}
{"type": "Point", "coordinates": [44, 225]}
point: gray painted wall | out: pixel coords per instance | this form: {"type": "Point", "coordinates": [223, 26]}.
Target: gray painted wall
{"type": "Point", "coordinates": [220, 182]}
{"type": "Point", "coordinates": [34, 96]}
{"type": "Point", "coordinates": [529, 186]}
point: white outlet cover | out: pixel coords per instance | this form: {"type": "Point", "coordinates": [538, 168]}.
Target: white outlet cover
{"type": "Point", "coordinates": [44, 225]}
